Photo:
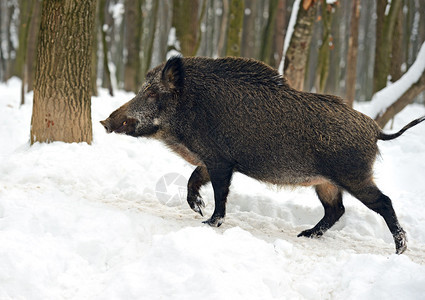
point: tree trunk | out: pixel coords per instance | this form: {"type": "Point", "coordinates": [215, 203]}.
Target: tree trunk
{"type": "Point", "coordinates": [25, 18]}
{"type": "Point", "coordinates": [32, 43]}
{"type": "Point", "coordinates": [248, 29]}
{"type": "Point", "coordinates": [133, 32]}
{"type": "Point", "coordinates": [366, 53]}
{"type": "Point", "coordinates": [94, 54]}
{"type": "Point", "coordinates": [106, 70]}
{"type": "Point", "coordinates": [223, 27]}
{"type": "Point", "coordinates": [62, 106]}
{"type": "Point", "coordinates": [163, 30]}
{"type": "Point", "coordinates": [27, 13]}
{"type": "Point", "coordinates": [322, 69]}
{"type": "Point", "coordinates": [185, 20]}
{"type": "Point", "coordinates": [147, 47]}
{"type": "Point", "coordinates": [384, 34]}
{"type": "Point", "coordinates": [269, 31]}
{"type": "Point", "coordinates": [279, 34]}
{"type": "Point", "coordinates": [397, 48]}
{"type": "Point", "coordinates": [234, 33]}
{"type": "Point", "coordinates": [10, 45]}
{"type": "Point", "coordinates": [353, 42]}
{"type": "Point", "coordinates": [298, 50]}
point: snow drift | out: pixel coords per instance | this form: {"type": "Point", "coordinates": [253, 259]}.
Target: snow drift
{"type": "Point", "coordinates": [86, 222]}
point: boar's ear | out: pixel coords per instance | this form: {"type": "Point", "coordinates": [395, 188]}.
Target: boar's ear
{"type": "Point", "coordinates": [172, 75]}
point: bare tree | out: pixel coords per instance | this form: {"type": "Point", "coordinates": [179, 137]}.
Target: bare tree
{"type": "Point", "coordinates": [353, 41]}
{"type": "Point", "coordinates": [298, 50]}
{"type": "Point", "coordinates": [94, 59]}
{"type": "Point", "coordinates": [187, 24]}
{"type": "Point", "coordinates": [148, 40]}
{"type": "Point", "coordinates": [269, 31]}
{"type": "Point", "coordinates": [279, 34]}
{"type": "Point", "coordinates": [397, 48]}
{"type": "Point", "coordinates": [103, 29]}
{"type": "Point", "coordinates": [223, 27]}
{"type": "Point", "coordinates": [322, 69]}
{"type": "Point", "coordinates": [234, 32]}
{"type": "Point", "coordinates": [62, 106]}
{"type": "Point", "coordinates": [385, 24]}
{"type": "Point", "coordinates": [32, 38]}
{"type": "Point", "coordinates": [133, 33]}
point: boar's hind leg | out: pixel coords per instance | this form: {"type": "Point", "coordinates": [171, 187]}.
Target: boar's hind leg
{"type": "Point", "coordinates": [331, 198]}
{"type": "Point", "coordinates": [373, 198]}
{"type": "Point", "coordinates": [198, 178]}
{"type": "Point", "coordinates": [220, 179]}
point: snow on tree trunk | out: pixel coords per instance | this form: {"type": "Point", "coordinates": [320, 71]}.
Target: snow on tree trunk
{"type": "Point", "coordinates": [406, 88]}
{"type": "Point", "coordinates": [296, 57]}
{"type": "Point", "coordinates": [289, 32]}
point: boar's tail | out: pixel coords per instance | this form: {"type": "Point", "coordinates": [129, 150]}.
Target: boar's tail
{"type": "Point", "coordinates": [387, 137]}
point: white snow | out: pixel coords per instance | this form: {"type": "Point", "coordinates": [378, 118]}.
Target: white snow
{"type": "Point", "coordinates": [173, 42]}
{"type": "Point", "coordinates": [289, 32]}
{"type": "Point", "coordinates": [388, 95]}
{"type": "Point", "coordinates": [84, 222]}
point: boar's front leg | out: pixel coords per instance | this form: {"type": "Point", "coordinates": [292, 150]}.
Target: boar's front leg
{"type": "Point", "coordinates": [198, 178]}
{"type": "Point", "coordinates": [220, 179]}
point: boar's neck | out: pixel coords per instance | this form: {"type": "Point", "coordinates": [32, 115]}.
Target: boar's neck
{"type": "Point", "coordinates": [183, 151]}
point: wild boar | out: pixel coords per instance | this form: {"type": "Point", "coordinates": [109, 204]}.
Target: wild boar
{"type": "Point", "coordinates": [231, 115]}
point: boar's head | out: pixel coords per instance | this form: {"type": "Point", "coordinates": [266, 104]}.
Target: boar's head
{"type": "Point", "coordinates": [153, 105]}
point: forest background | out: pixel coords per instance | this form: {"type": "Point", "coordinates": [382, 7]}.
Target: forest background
{"type": "Point", "coordinates": [348, 48]}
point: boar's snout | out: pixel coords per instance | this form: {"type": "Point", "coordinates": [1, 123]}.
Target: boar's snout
{"type": "Point", "coordinates": [120, 125]}
{"type": "Point", "coordinates": [107, 125]}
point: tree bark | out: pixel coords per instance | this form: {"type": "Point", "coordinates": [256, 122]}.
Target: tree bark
{"type": "Point", "coordinates": [279, 34]}
{"type": "Point", "coordinates": [298, 50]}
{"type": "Point", "coordinates": [32, 43]}
{"type": "Point", "coordinates": [248, 30]}
{"type": "Point", "coordinates": [25, 18]}
{"type": "Point", "coordinates": [94, 59]}
{"type": "Point", "coordinates": [353, 42]}
{"type": "Point", "coordinates": [62, 106]}
{"type": "Point", "coordinates": [10, 45]}
{"type": "Point", "coordinates": [223, 27]}
{"type": "Point", "coordinates": [147, 47]}
{"type": "Point", "coordinates": [384, 34]}
{"type": "Point", "coordinates": [133, 32]}
{"type": "Point", "coordinates": [106, 70]}
{"type": "Point", "coordinates": [28, 30]}
{"type": "Point", "coordinates": [322, 69]}
{"type": "Point", "coordinates": [234, 33]}
{"type": "Point", "coordinates": [269, 32]}
{"type": "Point", "coordinates": [185, 20]}
{"type": "Point", "coordinates": [397, 48]}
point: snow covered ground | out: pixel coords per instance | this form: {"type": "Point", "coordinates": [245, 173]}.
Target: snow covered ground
{"type": "Point", "coordinates": [109, 221]}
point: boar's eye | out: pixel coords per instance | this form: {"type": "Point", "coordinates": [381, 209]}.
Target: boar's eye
{"type": "Point", "coordinates": [152, 95]}
{"type": "Point", "coordinates": [124, 123]}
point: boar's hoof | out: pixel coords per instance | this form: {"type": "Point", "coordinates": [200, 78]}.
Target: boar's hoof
{"type": "Point", "coordinates": [400, 242]}
{"type": "Point", "coordinates": [311, 233]}
{"type": "Point", "coordinates": [196, 204]}
{"type": "Point", "coordinates": [214, 221]}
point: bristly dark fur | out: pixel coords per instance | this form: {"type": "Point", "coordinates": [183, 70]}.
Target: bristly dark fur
{"type": "Point", "coordinates": [231, 115]}
{"type": "Point", "coordinates": [173, 73]}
